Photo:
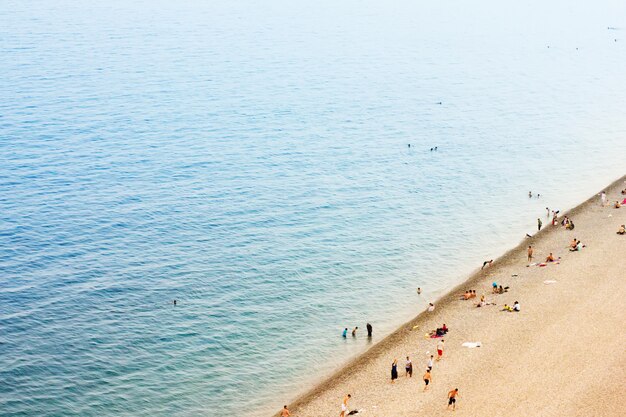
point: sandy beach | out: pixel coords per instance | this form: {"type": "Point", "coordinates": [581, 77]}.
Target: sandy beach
{"type": "Point", "coordinates": [563, 354]}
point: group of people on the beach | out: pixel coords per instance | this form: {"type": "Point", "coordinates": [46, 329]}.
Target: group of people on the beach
{"type": "Point", "coordinates": [604, 202]}
{"type": "Point", "coordinates": [574, 246]}
{"type": "Point", "coordinates": [468, 294]}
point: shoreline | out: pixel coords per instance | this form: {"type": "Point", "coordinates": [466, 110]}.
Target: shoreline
{"type": "Point", "coordinates": [447, 301]}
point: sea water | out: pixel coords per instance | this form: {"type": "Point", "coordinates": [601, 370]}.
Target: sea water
{"type": "Point", "coordinates": [250, 159]}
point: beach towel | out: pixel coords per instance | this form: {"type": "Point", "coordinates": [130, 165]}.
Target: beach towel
{"type": "Point", "coordinates": [549, 281]}
{"type": "Point", "coordinates": [472, 345]}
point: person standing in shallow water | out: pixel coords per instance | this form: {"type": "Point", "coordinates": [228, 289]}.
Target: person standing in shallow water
{"type": "Point", "coordinates": [539, 224]}
{"type": "Point", "coordinates": [345, 333]}
{"type": "Point", "coordinates": [369, 330]}
{"type": "Point", "coordinates": [354, 331]}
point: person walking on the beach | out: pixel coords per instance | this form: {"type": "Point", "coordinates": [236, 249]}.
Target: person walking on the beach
{"type": "Point", "coordinates": [539, 224]}
{"type": "Point", "coordinates": [530, 253]}
{"type": "Point", "coordinates": [408, 368]}
{"type": "Point", "coordinates": [427, 379]}
{"type": "Point", "coordinates": [344, 405]}
{"type": "Point", "coordinates": [285, 412]}
{"type": "Point", "coordinates": [394, 371]}
{"type": "Point", "coordinates": [369, 330]}
{"type": "Point", "coordinates": [431, 362]}
{"type": "Point", "coordinates": [603, 198]}
{"type": "Point", "coordinates": [452, 398]}
{"type": "Point", "coordinates": [440, 349]}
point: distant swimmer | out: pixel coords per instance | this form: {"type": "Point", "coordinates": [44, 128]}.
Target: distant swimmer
{"type": "Point", "coordinates": [285, 412]}
{"type": "Point", "coordinates": [175, 303]}
{"type": "Point", "coordinates": [409, 145]}
{"type": "Point", "coordinates": [431, 149]}
{"type": "Point", "coordinates": [487, 263]}
{"type": "Point", "coordinates": [539, 224]}
{"type": "Point", "coordinates": [439, 102]}
{"type": "Point", "coordinates": [419, 290]}
{"type": "Point", "coordinates": [435, 148]}
{"type": "Point", "coordinates": [369, 330]}
{"type": "Point", "coordinates": [530, 194]}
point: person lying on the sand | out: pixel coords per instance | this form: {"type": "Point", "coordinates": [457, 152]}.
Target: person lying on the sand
{"type": "Point", "coordinates": [622, 230]}
{"type": "Point", "coordinates": [507, 308]}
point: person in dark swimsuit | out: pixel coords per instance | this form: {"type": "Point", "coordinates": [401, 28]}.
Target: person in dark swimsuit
{"type": "Point", "coordinates": [394, 370]}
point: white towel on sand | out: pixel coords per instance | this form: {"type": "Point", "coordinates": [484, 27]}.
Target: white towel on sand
{"type": "Point", "coordinates": [549, 281]}
{"type": "Point", "coordinates": [472, 344]}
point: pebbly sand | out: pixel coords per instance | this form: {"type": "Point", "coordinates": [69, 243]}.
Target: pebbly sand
{"type": "Point", "coordinates": [564, 354]}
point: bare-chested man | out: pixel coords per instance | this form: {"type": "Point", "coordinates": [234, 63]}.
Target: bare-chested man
{"type": "Point", "coordinates": [427, 379]}
{"type": "Point", "coordinates": [530, 253]}
{"type": "Point", "coordinates": [285, 412]}
{"type": "Point", "coordinates": [452, 398]}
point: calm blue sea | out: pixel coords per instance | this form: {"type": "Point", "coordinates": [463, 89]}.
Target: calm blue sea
{"type": "Point", "coordinates": [250, 159]}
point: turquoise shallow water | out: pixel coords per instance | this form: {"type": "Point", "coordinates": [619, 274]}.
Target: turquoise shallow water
{"type": "Point", "coordinates": [250, 160]}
